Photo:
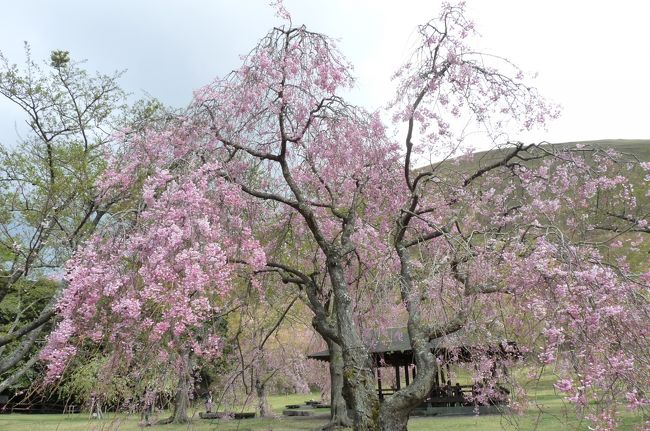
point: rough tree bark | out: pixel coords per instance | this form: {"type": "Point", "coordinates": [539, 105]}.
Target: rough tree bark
{"type": "Point", "coordinates": [395, 410]}
{"type": "Point", "coordinates": [339, 410]}
{"type": "Point", "coordinates": [357, 370]}
{"type": "Point", "coordinates": [337, 327]}
{"type": "Point", "coordinates": [262, 401]}
{"type": "Point", "coordinates": [182, 397]}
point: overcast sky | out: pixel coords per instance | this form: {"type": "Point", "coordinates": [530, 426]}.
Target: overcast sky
{"type": "Point", "coordinates": [591, 56]}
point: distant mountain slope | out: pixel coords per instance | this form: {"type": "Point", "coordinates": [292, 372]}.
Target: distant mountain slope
{"type": "Point", "coordinates": [620, 219]}
{"type": "Point", "coordinates": [635, 148]}
{"type": "Point", "coordinates": [638, 147]}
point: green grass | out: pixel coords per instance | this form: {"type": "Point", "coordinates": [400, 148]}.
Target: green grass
{"type": "Point", "coordinates": [20, 422]}
{"type": "Point", "coordinates": [549, 413]}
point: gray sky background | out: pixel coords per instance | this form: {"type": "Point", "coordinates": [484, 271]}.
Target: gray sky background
{"type": "Point", "coordinates": [591, 56]}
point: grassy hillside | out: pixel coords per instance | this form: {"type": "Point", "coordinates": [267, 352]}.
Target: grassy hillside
{"type": "Point", "coordinates": [629, 150]}
{"type": "Point", "coordinates": [638, 148]}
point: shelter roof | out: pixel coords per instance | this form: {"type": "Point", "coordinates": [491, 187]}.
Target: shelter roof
{"type": "Point", "coordinates": [393, 346]}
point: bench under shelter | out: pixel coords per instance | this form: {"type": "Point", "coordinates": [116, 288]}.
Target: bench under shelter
{"type": "Point", "coordinates": [391, 348]}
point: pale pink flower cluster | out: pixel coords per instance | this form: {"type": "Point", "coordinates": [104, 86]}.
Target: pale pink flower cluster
{"type": "Point", "coordinates": [154, 284]}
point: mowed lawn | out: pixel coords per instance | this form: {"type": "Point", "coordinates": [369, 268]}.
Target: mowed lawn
{"type": "Point", "coordinates": [548, 413]}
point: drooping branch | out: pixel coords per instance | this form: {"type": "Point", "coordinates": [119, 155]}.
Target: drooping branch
{"type": "Point", "coordinates": [308, 283]}
{"type": "Point", "coordinates": [278, 322]}
{"type": "Point", "coordinates": [519, 147]}
{"type": "Point", "coordinates": [15, 376]}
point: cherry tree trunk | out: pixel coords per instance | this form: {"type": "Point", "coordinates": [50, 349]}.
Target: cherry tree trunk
{"type": "Point", "coordinates": [262, 401]}
{"type": "Point", "coordinates": [339, 409]}
{"type": "Point", "coordinates": [394, 416]}
{"type": "Point", "coordinates": [182, 398]}
{"type": "Point", "coordinates": [395, 410]}
{"type": "Point", "coordinates": [358, 376]}
{"type": "Point", "coordinates": [360, 387]}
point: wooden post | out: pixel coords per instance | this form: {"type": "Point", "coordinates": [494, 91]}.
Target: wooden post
{"type": "Point", "coordinates": [381, 391]}
{"type": "Point", "coordinates": [406, 374]}
{"type": "Point", "coordinates": [398, 382]}
{"type": "Point", "coordinates": [436, 380]}
{"type": "Point", "coordinates": [413, 370]}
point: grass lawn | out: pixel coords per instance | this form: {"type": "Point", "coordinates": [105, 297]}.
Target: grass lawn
{"type": "Point", "coordinates": [548, 414]}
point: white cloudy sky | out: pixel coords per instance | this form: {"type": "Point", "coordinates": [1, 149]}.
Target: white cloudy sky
{"type": "Point", "coordinates": [591, 56]}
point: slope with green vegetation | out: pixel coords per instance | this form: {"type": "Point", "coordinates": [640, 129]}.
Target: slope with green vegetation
{"type": "Point", "coordinates": [609, 223]}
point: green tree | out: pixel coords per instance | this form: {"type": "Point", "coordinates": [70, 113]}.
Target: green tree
{"type": "Point", "coordinates": [48, 201]}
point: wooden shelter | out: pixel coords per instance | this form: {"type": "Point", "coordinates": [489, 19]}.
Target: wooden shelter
{"type": "Point", "coordinates": [392, 348]}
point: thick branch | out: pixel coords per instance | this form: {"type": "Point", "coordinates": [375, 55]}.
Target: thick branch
{"type": "Point", "coordinates": [455, 324]}
{"type": "Point", "coordinates": [20, 352]}
{"type": "Point", "coordinates": [18, 374]}
{"type": "Point", "coordinates": [43, 318]}
{"type": "Point", "coordinates": [427, 237]}
{"type": "Point", "coordinates": [503, 162]}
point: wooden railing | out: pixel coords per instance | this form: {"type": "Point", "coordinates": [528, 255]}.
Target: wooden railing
{"type": "Point", "coordinates": [23, 407]}
{"type": "Point", "coordinates": [440, 396]}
